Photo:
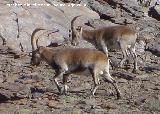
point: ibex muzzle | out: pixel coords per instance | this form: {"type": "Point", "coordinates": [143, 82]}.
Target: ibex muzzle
{"type": "Point", "coordinates": [35, 59]}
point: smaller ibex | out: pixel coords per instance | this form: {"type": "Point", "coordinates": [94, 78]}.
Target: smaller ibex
{"type": "Point", "coordinates": [69, 60]}
{"type": "Point", "coordinates": [113, 37]}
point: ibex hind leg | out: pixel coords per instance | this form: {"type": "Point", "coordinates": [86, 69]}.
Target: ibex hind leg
{"type": "Point", "coordinates": [113, 82]}
{"type": "Point", "coordinates": [134, 55]}
{"type": "Point", "coordinates": [123, 47]}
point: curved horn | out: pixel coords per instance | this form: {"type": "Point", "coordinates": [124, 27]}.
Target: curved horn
{"type": "Point", "coordinates": [37, 42]}
{"type": "Point", "coordinates": [34, 39]}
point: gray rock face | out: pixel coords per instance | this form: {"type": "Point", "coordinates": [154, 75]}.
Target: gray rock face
{"type": "Point", "coordinates": [119, 12]}
{"type": "Point", "coordinates": [151, 8]}
{"type": "Point", "coordinates": [18, 21]}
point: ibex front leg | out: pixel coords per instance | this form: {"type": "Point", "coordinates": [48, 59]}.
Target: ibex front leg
{"type": "Point", "coordinates": [104, 47]}
{"type": "Point", "coordinates": [58, 74]}
{"type": "Point", "coordinates": [65, 78]}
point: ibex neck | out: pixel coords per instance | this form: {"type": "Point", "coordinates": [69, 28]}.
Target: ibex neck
{"type": "Point", "coordinates": [88, 34]}
{"type": "Point", "coordinates": [47, 55]}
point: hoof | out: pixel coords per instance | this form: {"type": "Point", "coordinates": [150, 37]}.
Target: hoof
{"type": "Point", "coordinates": [60, 90]}
{"type": "Point", "coordinates": [63, 92]}
{"type": "Point", "coordinates": [119, 96]}
{"type": "Point", "coordinates": [135, 71]}
{"type": "Point", "coordinates": [93, 94]}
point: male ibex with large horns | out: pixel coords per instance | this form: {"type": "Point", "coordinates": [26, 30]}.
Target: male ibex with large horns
{"type": "Point", "coordinates": [114, 37]}
{"type": "Point", "coordinates": [69, 60]}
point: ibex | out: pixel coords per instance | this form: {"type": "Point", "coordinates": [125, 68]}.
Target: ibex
{"type": "Point", "coordinates": [69, 60]}
{"type": "Point", "coordinates": [113, 37]}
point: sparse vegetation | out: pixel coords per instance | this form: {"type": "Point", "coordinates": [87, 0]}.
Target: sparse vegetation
{"type": "Point", "coordinates": [153, 105]}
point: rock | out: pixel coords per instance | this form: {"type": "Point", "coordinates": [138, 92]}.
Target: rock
{"type": "Point", "coordinates": [29, 78]}
{"type": "Point", "coordinates": [103, 10]}
{"type": "Point", "coordinates": [149, 34]}
{"type": "Point", "coordinates": [3, 49]}
{"type": "Point", "coordinates": [154, 48]}
{"type": "Point", "coordinates": [5, 95]}
{"type": "Point", "coordinates": [155, 12]}
{"type": "Point", "coordinates": [91, 102]}
{"type": "Point", "coordinates": [22, 20]}
{"type": "Point", "coordinates": [53, 104]}
{"type": "Point", "coordinates": [124, 75]}
{"type": "Point", "coordinates": [13, 91]}
{"type": "Point", "coordinates": [143, 76]}
{"type": "Point", "coordinates": [139, 101]}
{"type": "Point", "coordinates": [122, 81]}
{"type": "Point", "coordinates": [1, 77]}
{"type": "Point", "coordinates": [37, 92]}
{"type": "Point", "coordinates": [109, 106]}
{"type": "Point", "coordinates": [116, 11]}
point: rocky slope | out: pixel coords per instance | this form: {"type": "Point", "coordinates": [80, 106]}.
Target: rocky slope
{"type": "Point", "coordinates": [25, 89]}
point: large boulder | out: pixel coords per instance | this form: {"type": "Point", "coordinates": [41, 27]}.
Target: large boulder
{"type": "Point", "coordinates": [155, 12]}
{"type": "Point", "coordinates": [20, 18]}
{"type": "Point", "coordinates": [9, 91]}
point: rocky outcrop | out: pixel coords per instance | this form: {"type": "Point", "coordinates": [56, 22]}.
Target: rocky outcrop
{"type": "Point", "coordinates": [119, 12]}
{"type": "Point", "coordinates": [9, 91]}
{"type": "Point", "coordinates": [20, 18]}
{"type": "Point", "coordinates": [155, 12]}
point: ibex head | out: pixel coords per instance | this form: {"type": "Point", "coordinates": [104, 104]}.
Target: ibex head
{"type": "Point", "coordinates": [76, 32]}
{"type": "Point", "coordinates": [35, 59]}
{"type": "Point", "coordinates": [37, 55]}
{"type": "Point", "coordinates": [38, 50]}
{"type": "Point", "coordinates": [77, 36]}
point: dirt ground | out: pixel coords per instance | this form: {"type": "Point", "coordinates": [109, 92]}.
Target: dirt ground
{"type": "Point", "coordinates": [32, 90]}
